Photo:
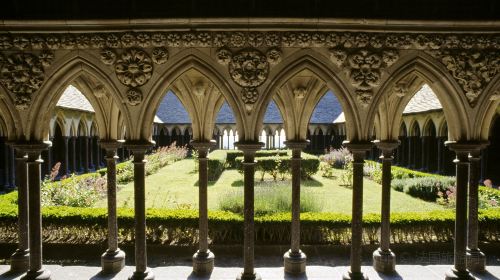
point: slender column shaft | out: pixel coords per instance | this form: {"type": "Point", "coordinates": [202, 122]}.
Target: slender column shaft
{"type": "Point", "coordinates": [34, 163]}
{"type": "Point", "coordinates": [66, 155]}
{"type": "Point", "coordinates": [249, 150]}
{"type": "Point", "coordinates": [140, 211]}
{"type": "Point", "coordinates": [385, 232]}
{"type": "Point", "coordinates": [91, 153]}
{"type": "Point", "coordinates": [459, 270]}
{"type": "Point", "coordinates": [74, 168]}
{"type": "Point", "coordinates": [203, 200]}
{"type": "Point", "coordinates": [295, 246]}
{"type": "Point", "coordinates": [141, 269]}
{"type": "Point", "coordinates": [20, 258]}
{"type": "Point", "coordinates": [440, 152]}
{"type": "Point", "coordinates": [476, 260]}
{"type": "Point", "coordinates": [111, 178]}
{"type": "Point", "coordinates": [473, 201]}
{"type": "Point", "coordinates": [12, 168]}
{"type": "Point", "coordinates": [85, 140]}
{"type": "Point", "coordinates": [6, 165]}
{"type": "Point", "coordinates": [359, 151]}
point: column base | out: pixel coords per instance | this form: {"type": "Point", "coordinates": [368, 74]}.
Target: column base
{"type": "Point", "coordinates": [112, 261]}
{"type": "Point", "coordinates": [41, 274]}
{"type": "Point", "coordinates": [203, 263]}
{"type": "Point", "coordinates": [354, 276]}
{"type": "Point", "coordinates": [384, 261]}
{"type": "Point", "coordinates": [146, 275]}
{"type": "Point", "coordinates": [454, 274]}
{"type": "Point", "coordinates": [248, 276]}
{"type": "Point", "coordinates": [20, 261]}
{"type": "Point", "coordinates": [295, 263]}
{"type": "Point", "coordinates": [476, 260]}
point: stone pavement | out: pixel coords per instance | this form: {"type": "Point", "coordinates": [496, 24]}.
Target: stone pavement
{"type": "Point", "coordinates": [417, 272]}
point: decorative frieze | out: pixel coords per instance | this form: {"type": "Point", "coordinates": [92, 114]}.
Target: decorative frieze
{"type": "Point", "coordinates": [364, 68]}
{"type": "Point", "coordinates": [253, 39]}
{"type": "Point", "coordinates": [472, 69]}
{"type": "Point", "coordinates": [23, 74]}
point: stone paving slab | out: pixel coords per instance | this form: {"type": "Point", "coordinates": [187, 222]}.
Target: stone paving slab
{"type": "Point", "coordinates": [411, 272]}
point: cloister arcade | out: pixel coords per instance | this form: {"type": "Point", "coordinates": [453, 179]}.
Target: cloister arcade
{"type": "Point", "coordinates": [374, 72]}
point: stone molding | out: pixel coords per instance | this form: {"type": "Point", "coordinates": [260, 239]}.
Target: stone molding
{"type": "Point", "coordinates": [248, 39]}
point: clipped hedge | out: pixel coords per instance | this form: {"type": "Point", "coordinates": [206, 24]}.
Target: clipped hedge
{"type": "Point", "coordinates": [404, 173]}
{"type": "Point", "coordinates": [177, 227]}
{"type": "Point", "coordinates": [233, 154]}
{"type": "Point", "coordinates": [281, 164]}
{"type": "Point", "coordinates": [216, 164]}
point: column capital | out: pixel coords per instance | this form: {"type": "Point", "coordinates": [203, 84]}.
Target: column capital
{"type": "Point", "coordinates": [111, 144]}
{"type": "Point", "coordinates": [33, 149]}
{"type": "Point", "coordinates": [463, 148]}
{"type": "Point", "coordinates": [297, 144]}
{"type": "Point", "coordinates": [249, 146]}
{"type": "Point", "coordinates": [203, 146]}
{"type": "Point", "coordinates": [138, 146]}
{"type": "Point", "coordinates": [360, 147]}
{"type": "Point", "coordinates": [387, 145]}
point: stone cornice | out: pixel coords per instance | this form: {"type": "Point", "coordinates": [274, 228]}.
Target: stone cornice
{"type": "Point", "coordinates": [255, 39]}
{"type": "Point", "coordinates": [257, 24]}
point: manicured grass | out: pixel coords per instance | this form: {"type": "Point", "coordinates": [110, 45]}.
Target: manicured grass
{"type": "Point", "coordinates": [175, 186]}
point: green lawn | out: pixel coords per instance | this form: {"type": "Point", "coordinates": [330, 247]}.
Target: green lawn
{"type": "Point", "coordinates": [174, 186]}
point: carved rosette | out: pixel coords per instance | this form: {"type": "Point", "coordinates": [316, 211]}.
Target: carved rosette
{"type": "Point", "coordinates": [364, 68]}
{"type": "Point", "coordinates": [134, 67]}
{"type": "Point", "coordinates": [472, 70]}
{"type": "Point", "coordinates": [23, 74]}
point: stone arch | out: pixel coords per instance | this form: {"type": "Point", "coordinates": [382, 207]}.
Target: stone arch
{"type": "Point", "coordinates": [12, 122]}
{"type": "Point", "coordinates": [325, 72]}
{"type": "Point", "coordinates": [487, 109]}
{"type": "Point", "coordinates": [403, 131]}
{"type": "Point", "coordinates": [415, 129]}
{"type": "Point", "coordinates": [85, 75]}
{"type": "Point", "coordinates": [429, 128]}
{"type": "Point", "coordinates": [411, 72]}
{"type": "Point", "coordinates": [175, 68]}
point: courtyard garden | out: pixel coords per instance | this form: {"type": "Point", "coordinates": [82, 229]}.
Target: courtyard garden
{"type": "Point", "coordinates": [422, 204]}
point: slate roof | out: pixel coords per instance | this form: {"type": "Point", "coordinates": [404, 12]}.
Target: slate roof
{"type": "Point", "coordinates": [73, 99]}
{"type": "Point", "coordinates": [424, 100]}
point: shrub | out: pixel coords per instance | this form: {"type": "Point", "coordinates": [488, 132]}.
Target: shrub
{"type": "Point", "coordinates": [426, 188]}
{"type": "Point", "coordinates": [489, 197]}
{"type": "Point", "coordinates": [336, 157]}
{"type": "Point", "coordinates": [232, 162]}
{"type": "Point", "coordinates": [269, 201]}
{"type": "Point", "coordinates": [216, 164]}
{"type": "Point", "coordinates": [77, 191]}
{"type": "Point", "coordinates": [326, 170]}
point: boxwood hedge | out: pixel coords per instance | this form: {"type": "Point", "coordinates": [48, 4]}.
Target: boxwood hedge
{"type": "Point", "coordinates": [88, 226]}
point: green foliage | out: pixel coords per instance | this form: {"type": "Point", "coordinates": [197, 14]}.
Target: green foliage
{"type": "Point", "coordinates": [77, 225]}
{"type": "Point", "coordinates": [78, 191]}
{"type": "Point", "coordinates": [326, 170]}
{"type": "Point", "coordinates": [279, 166]}
{"type": "Point", "coordinates": [216, 164]}
{"type": "Point", "coordinates": [426, 188]}
{"type": "Point", "coordinates": [489, 197]}
{"type": "Point", "coordinates": [232, 163]}
{"type": "Point", "coordinates": [269, 201]}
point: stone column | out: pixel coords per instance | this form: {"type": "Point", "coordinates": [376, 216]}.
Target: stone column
{"type": "Point", "coordinates": [12, 168]}
{"type": "Point", "coordinates": [440, 155]}
{"type": "Point", "coordinates": [98, 156]}
{"type": "Point", "coordinates": [85, 140]}
{"type": "Point", "coordinates": [249, 149]}
{"type": "Point", "coordinates": [91, 153]}
{"type": "Point", "coordinates": [141, 270]}
{"type": "Point", "coordinates": [6, 165]}
{"type": "Point", "coordinates": [66, 156]}
{"type": "Point", "coordinates": [50, 156]}
{"type": "Point", "coordinates": [384, 259]}
{"type": "Point", "coordinates": [74, 168]}
{"type": "Point", "coordinates": [295, 259]}
{"type": "Point", "coordinates": [19, 261]}
{"type": "Point", "coordinates": [113, 260]}
{"type": "Point", "coordinates": [358, 150]}
{"type": "Point", "coordinates": [459, 270]}
{"type": "Point", "coordinates": [36, 270]}
{"type": "Point", "coordinates": [203, 259]}
{"type": "Point", "coordinates": [476, 260]}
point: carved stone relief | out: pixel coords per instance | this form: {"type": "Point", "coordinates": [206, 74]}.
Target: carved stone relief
{"type": "Point", "coordinates": [364, 68]}
{"type": "Point", "coordinates": [23, 74]}
{"type": "Point", "coordinates": [473, 70]}
{"type": "Point", "coordinates": [251, 39]}
{"type": "Point", "coordinates": [134, 67]}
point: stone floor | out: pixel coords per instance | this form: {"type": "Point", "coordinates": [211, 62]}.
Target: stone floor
{"type": "Point", "coordinates": [428, 272]}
